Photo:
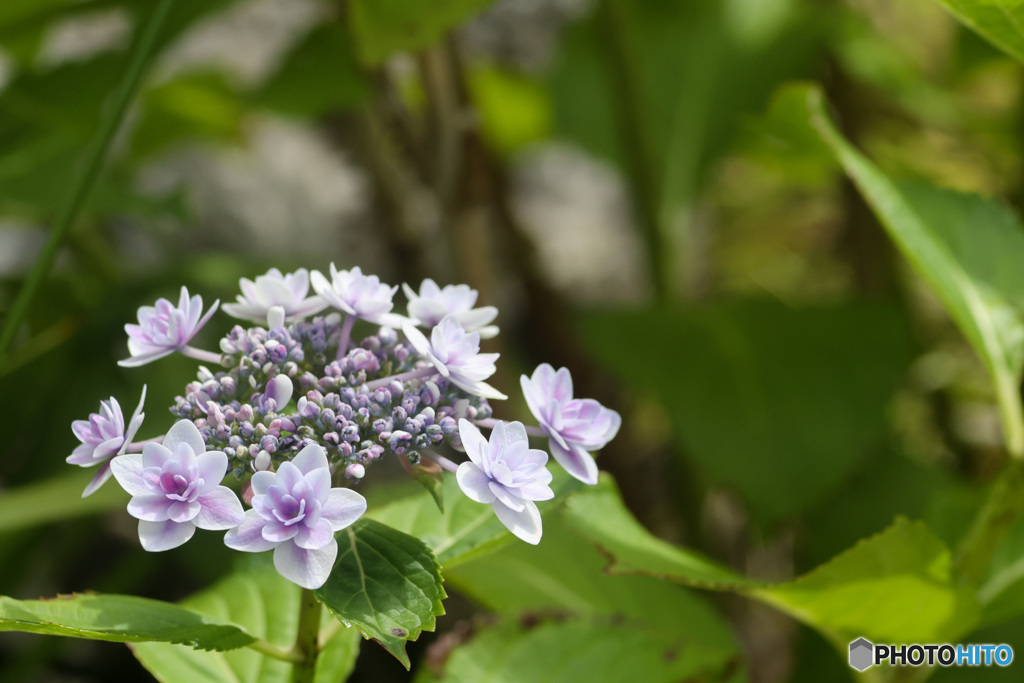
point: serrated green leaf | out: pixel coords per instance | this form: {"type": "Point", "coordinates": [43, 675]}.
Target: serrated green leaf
{"type": "Point", "coordinates": [966, 248]}
{"type": "Point", "coordinates": [896, 586]}
{"type": "Point", "coordinates": [267, 605]}
{"type": "Point", "coordinates": [385, 583]}
{"type": "Point", "coordinates": [999, 21]}
{"type": "Point", "coordinates": [119, 618]}
{"type": "Point", "coordinates": [467, 529]}
{"type": "Point", "coordinates": [384, 27]}
{"type": "Point", "coordinates": [577, 650]}
{"type": "Point", "coordinates": [600, 515]}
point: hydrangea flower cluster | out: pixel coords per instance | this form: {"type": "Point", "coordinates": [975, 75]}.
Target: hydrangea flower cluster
{"type": "Point", "coordinates": [294, 410]}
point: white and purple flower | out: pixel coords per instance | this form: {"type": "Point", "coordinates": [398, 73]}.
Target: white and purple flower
{"type": "Point", "coordinates": [361, 296]}
{"type": "Point", "coordinates": [433, 303]}
{"type": "Point", "coordinates": [275, 298]}
{"type": "Point", "coordinates": [104, 436]}
{"type": "Point", "coordinates": [175, 487]}
{"type": "Point", "coordinates": [296, 513]}
{"type": "Point", "coordinates": [456, 355]}
{"type": "Point", "coordinates": [165, 328]}
{"type": "Point", "coordinates": [576, 426]}
{"type": "Point", "coordinates": [507, 474]}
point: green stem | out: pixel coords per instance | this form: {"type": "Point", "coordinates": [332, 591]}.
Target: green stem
{"type": "Point", "coordinates": [306, 640]}
{"type": "Point", "coordinates": [275, 651]}
{"type": "Point", "coordinates": [1000, 510]}
{"type": "Point", "coordinates": [85, 179]}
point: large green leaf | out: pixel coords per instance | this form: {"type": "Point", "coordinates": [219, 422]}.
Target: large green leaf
{"type": "Point", "coordinates": [564, 574]}
{"type": "Point", "coordinates": [466, 529]}
{"type": "Point", "coordinates": [577, 650]}
{"type": "Point", "coordinates": [385, 583]}
{"type": "Point", "coordinates": [1000, 21]}
{"type": "Point", "coordinates": [267, 605]}
{"type": "Point", "coordinates": [383, 27]}
{"type": "Point", "coordinates": [896, 586]}
{"type": "Point", "coordinates": [778, 402]}
{"type": "Point", "coordinates": [120, 618]}
{"type": "Point", "coordinates": [968, 249]}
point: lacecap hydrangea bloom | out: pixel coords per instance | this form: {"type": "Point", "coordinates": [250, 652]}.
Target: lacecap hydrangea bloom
{"type": "Point", "coordinates": [295, 408]}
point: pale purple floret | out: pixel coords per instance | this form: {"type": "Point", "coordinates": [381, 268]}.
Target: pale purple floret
{"type": "Point", "coordinates": [165, 328]}
{"type": "Point", "coordinates": [506, 473]}
{"type": "Point", "coordinates": [296, 513]}
{"type": "Point", "coordinates": [576, 426]}
{"type": "Point", "coordinates": [456, 355]}
{"type": "Point", "coordinates": [275, 298]}
{"type": "Point", "coordinates": [433, 303]}
{"type": "Point", "coordinates": [175, 487]}
{"type": "Point", "coordinates": [104, 436]}
{"type": "Point", "coordinates": [361, 296]}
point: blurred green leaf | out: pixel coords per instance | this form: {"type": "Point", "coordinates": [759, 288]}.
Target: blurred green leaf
{"type": "Point", "coordinates": [384, 27]}
{"type": "Point", "coordinates": [968, 249]}
{"type": "Point", "coordinates": [514, 110]}
{"type": "Point", "coordinates": [675, 82]}
{"type": "Point", "coordinates": [193, 107]}
{"type": "Point", "coordinates": [466, 529]}
{"type": "Point", "coordinates": [1000, 21]}
{"type": "Point", "coordinates": [386, 584]}
{"type": "Point", "coordinates": [56, 499]}
{"type": "Point", "coordinates": [577, 650]}
{"type": "Point", "coordinates": [119, 618]}
{"type": "Point", "coordinates": [267, 606]}
{"type": "Point", "coordinates": [778, 402]}
{"type": "Point", "coordinates": [317, 76]}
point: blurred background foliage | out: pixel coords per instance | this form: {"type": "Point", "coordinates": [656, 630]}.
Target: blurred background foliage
{"type": "Point", "coordinates": [610, 174]}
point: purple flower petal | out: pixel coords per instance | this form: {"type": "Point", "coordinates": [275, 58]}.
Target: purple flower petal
{"type": "Point", "coordinates": [127, 469]}
{"type": "Point", "coordinates": [576, 462]}
{"type": "Point", "coordinates": [307, 568]}
{"type": "Point", "coordinates": [151, 507]}
{"type": "Point", "coordinates": [525, 524]}
{"type": "Point", "coordinates": [248, 536]}
{"type": "Point", "coordinates": [514, 503]}
{"type": "Point", "coordinates": [474, 483]}
{"type": "Point", "coordinates": [315, 536]}
{"type": "Point", "coordinates": [342, 508]}
{"type": "Point", "coordinates": [276, 532]}
{"type": "Point", "coordinates": [160, 536]}
{"type": "Point", "coordinates": [211, 467]}
{"type": "Point", "coordinates": [221, 509]}
{"type": "Point", "coordinates": [97, 481]}
{"type": "Point", "coordinates": [184, 432]}
{"type": "Point", "coordinates": [310, 458]}
{"type": "Point", "coordinates": [261, 482]}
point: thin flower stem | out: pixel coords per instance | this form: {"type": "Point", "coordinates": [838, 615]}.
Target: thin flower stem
{"type": "Point", "coordinates": [441, 460]}
{"type": "Point", "coordinates": [346, 334]}
{"type": "Point", "coordinates": [85, 179]}
{"type": "Point", "coordinates": [418, 373]}
{"type": "Point", "coordinates": [199, 354]}
{"type": "Point", "coordinates": [307, 645]}
{"type": "Point", "coordinates": [490, 423]}
{"type": "Point", "coordinates": [136, 446]}
{"type": "Point", "coordinates": [275, 651]}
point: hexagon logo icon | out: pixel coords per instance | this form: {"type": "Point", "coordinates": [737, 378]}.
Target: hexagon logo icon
{"type": "Point", "coordinates": [861, 654]}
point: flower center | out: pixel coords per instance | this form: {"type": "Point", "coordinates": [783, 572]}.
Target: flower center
{"type": "Point", "coordinates": [290, 511]}
{"type": "Point", "coordinates": [177, 486]}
